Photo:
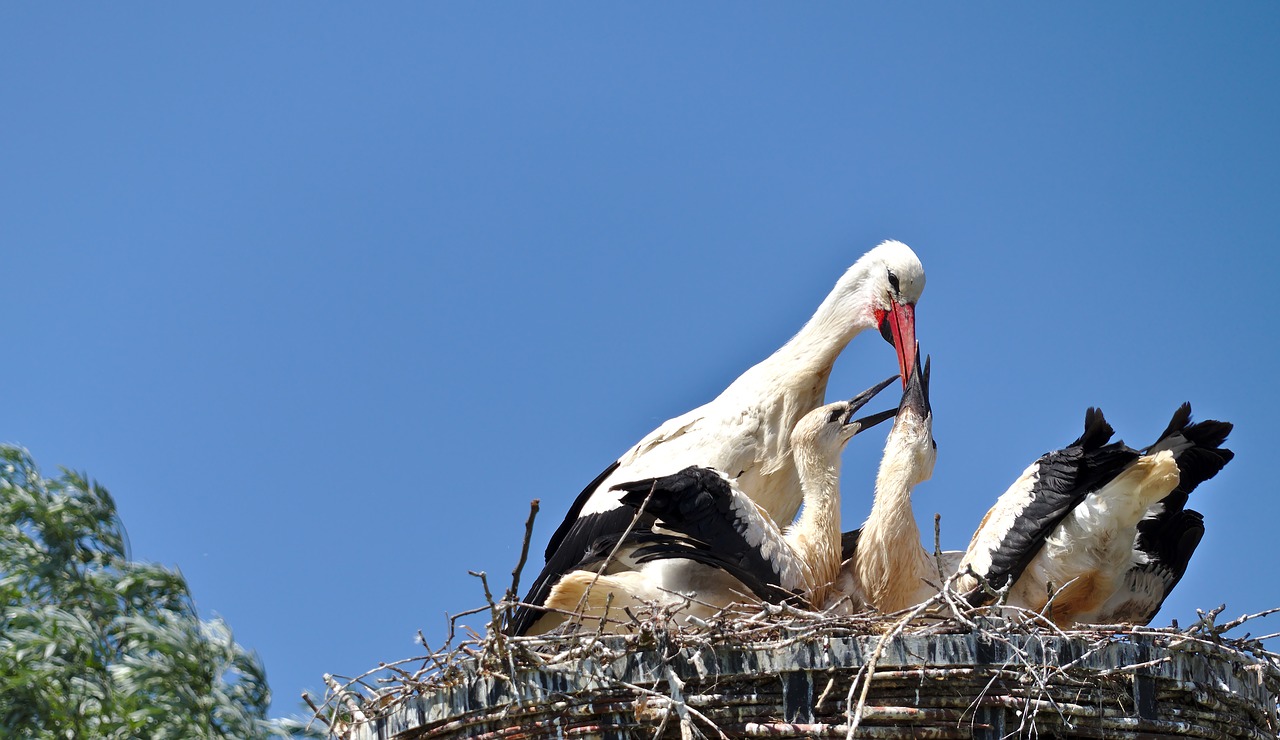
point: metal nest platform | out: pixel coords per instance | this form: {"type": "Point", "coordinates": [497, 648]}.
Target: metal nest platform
{"type": "Point", "coordinates": [782, 673]}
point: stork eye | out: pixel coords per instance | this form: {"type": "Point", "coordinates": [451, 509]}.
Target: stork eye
{"type": "Point", "coordinates": [893, 282]}
{"type": "Point", "coordinates": [834, 415]}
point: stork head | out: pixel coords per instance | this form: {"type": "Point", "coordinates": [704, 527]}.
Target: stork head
{"type": "Point", "coordinates": [884, 286]}
{"type": "Point", "coordinates": [827, 429]}
{"type": "Point", "coordinates": [913, 428]}
{"type": "Point", "coordinates": [894, 308]}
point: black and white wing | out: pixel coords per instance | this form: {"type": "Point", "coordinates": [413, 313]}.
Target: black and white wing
{"type": "Point", "coordinates": [701, 504]}
{"type": "Point", "coordinates": [1015, 528]}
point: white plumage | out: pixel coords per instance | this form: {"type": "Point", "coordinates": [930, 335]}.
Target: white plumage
{"type": "Point", "coordinates": [1069, 538]}
{"type": "Point", "coordinates": [1094, 532]}
{"type": "Point", "coordinates": [889, 569]}
{"type": "Point", "coordinates": [701, 544]}
{"type": "Point", "coordinates": [746, 430]}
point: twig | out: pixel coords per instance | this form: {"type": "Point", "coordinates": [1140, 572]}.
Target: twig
{"type": "Point", "coordinates": [513, 593]}
{"type": "Point", "coordinates": [855, 718]}
{"type": "Point", "coordinates": [307, 698]}
{"type": "Point", "coordinates": [937, 547]}
{"type": "Point", "coordinates": [1241, 620]}
{"type": "Point", "coordinates": [1206, 620]}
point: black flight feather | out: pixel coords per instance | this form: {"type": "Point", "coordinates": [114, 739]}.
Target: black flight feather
{"type": "Point", "coordinates": [689, 549]}
{"type": "Point", "coordinates": [698, 502]}
{"type": "Point", "coordinates": [574, 546]}
{"type": "Point", "coordinates": [1169, 537]}
{"type": "Point", "coordinates": [569, 545]}
{"type": "Point", "coordinates": [1065, 478]}
{"type": "Point", "coordinates": [647, 546]}
{"type": "Point", "coordinates": [562, 531]}
{"type": "Point", "coordinates": [1205, 456]}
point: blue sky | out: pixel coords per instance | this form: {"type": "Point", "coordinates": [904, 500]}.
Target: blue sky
{"type": "Point", "coordinates": [325, 294]}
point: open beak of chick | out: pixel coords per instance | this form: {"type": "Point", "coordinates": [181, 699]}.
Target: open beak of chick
{"type": "Point", "coordinates": [857, 402]}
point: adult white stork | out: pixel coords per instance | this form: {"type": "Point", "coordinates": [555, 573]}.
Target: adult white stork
{"type": "Point", "coordinates": [886, 566]}
{"type": "Point", "coordinates": [1098, 529]}
{"type": "Point", "coordinates": [745, 431]}
{"type": "Point", "coordinates": [701, 544]}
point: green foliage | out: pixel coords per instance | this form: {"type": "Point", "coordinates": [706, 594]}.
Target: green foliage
{"type": "Point", "coordinates": [94, 645]}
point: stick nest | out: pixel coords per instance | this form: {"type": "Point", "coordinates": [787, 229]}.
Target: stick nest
{"type": "Point", "coordinates": [942, 669]}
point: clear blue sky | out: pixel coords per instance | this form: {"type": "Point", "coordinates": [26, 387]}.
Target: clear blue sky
{"type": "Point", "coordinates": [325, 293]}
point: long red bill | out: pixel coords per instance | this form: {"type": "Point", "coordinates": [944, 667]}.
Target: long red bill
{"type": "Point", "coordinates": [902, 323]}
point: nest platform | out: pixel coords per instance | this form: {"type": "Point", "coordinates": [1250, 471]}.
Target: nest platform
{"type": "Point", "coordinates": [830, 679]}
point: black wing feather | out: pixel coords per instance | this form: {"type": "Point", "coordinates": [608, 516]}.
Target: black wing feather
{"type": "Point", "coordinates": [687, 549]}
{"type": "Point", "coordinates": [568, 547]}
{"type": "Point", "coordinates": [1199, 453]}
{"type": "Point", "coordinates": [699, 503]}
{"type": "Point", "coordinates": [1066, 477]}
{"type": "Point", "coordinates": [575, 547]}
{"type": "Point", "coordinates": [1170, 537]}
{"type": "Point", "coordinates": [575, 510]}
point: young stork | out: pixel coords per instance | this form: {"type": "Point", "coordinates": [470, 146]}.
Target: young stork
{"type": "Point", "coordinates": [745, 431]}
{"type": "Point", "coordinates": [886, 566]}
{"type": "Point", "coordinates": [1162, 549]}
{"type": "Point", "coordinates": [1097, 531]}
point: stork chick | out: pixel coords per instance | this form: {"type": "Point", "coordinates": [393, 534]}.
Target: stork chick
{"type": "Point", "coordinates": [889, 569]}
{"type": "Point", "coordinates": [1097, 532]}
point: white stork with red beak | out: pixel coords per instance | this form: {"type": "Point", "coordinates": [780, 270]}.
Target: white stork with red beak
{"type": "Point", "coordinates": [745, 432]}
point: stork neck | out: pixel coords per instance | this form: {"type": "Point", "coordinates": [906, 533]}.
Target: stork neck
{"type": "Point", "coordinates": [844, 313]}
{"type": "Point", "coordinates": [841, 316]}
{"type": "Point", "coordinates": [891, 559]}
{"type": "Point", "coordinates": [816, 533]}
{"type": "Point", "coordinates": [891, 507]}
{"type": "Point", "coordinates": [820, 483]}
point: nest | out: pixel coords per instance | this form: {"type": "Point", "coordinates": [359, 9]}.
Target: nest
{"type": "Point", "coordinates": [786, 673]}
{"type": "Point", "coordinates": [942, 669]}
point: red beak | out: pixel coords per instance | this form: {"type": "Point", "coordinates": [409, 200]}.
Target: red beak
{"type": "Point", "coordinates": [902, 328]}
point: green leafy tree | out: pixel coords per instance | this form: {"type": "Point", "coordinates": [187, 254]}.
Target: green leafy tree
{"type": "Point", "coordinates": [94, 645]}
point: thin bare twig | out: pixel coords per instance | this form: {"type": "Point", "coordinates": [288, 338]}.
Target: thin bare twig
{"type": "Point", "coordinates": [513, 593]}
